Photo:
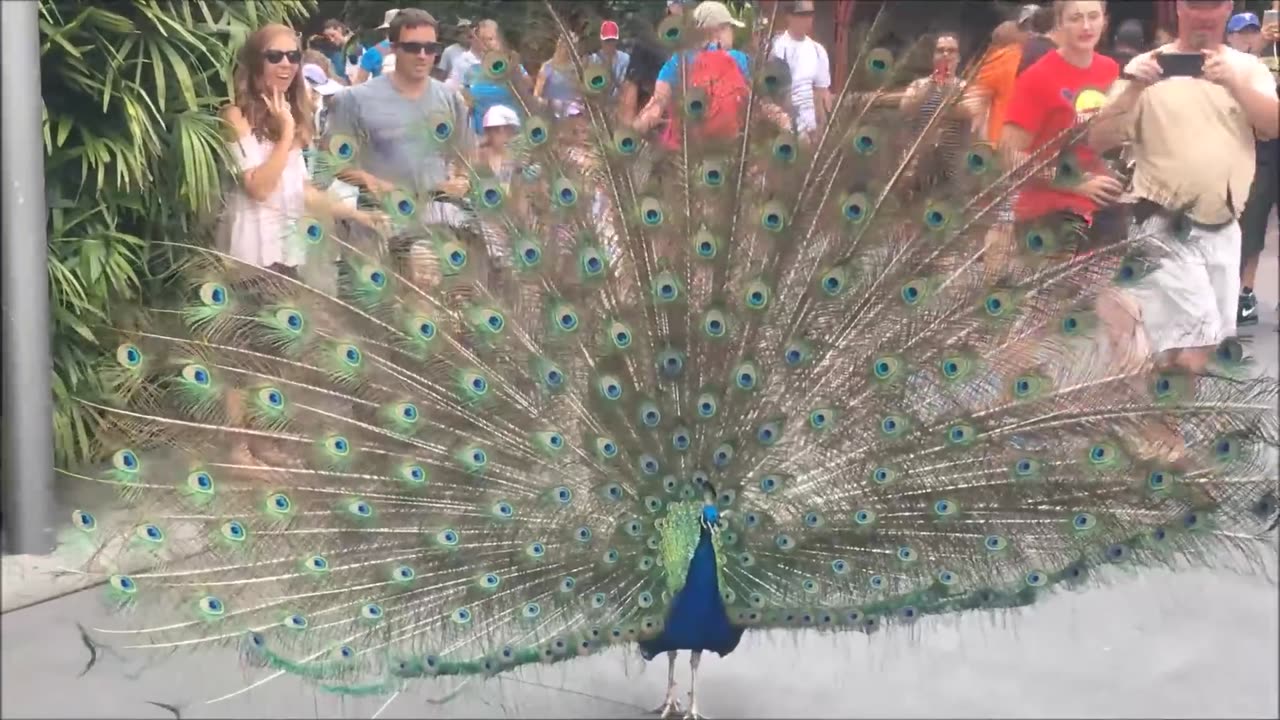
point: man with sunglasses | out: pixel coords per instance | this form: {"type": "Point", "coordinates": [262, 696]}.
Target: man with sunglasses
{"type": "Point", "coordinates": [388, 117]}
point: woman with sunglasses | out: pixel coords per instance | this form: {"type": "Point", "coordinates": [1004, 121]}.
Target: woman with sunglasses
{"type": "Point", "coordinates": [269, 123]}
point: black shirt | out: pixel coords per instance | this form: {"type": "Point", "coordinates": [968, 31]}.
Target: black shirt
{"type": "Point", "coordinates": [646, 61]}
{"type": "Point", "coordinates": [1033, 49]}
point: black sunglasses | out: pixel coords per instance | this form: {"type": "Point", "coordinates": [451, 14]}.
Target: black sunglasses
{"type": "Point", "coordinates": [275, 57]}
{"type": "Point", "coordinates": [417, 48]}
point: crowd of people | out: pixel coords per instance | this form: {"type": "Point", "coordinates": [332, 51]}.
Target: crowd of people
{"type": "Point", "coordinates": [1182, 129]}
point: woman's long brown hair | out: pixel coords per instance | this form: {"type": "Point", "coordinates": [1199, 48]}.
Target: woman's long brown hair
{"type": "Point", "coordinates": [249, 89]}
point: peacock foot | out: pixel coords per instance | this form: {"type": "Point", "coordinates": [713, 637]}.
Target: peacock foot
{"type": "Point", "coordinates": [670, 708]}
{"type": "Point", "coordinates": [693, 714]}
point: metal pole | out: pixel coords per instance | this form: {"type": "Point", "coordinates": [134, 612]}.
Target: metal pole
{"type": "Point", "coordinates": [27, 414]}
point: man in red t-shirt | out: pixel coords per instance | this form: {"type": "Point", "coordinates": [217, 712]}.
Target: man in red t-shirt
{"type": "Point", "coordinates": [1049, 98]}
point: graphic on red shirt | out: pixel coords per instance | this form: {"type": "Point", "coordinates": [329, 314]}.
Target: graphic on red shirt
{"type": "Point", "coordinates": [1049, 98]}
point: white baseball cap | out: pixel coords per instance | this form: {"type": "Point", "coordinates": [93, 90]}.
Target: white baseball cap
{"type": "Point", "coordinates": [714, 14]}
{"type": "Point", "coordinates": [1026, 12]}
{"type": "Point", "coordinates": [388, 17]}
{"type": "Point", "coordinates": [500, 116]}
{"type": "Point", "coordinates": [319, 81]}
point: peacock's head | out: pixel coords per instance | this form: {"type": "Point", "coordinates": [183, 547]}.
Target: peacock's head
{"type": "Point", "coordinates": [710, 513]}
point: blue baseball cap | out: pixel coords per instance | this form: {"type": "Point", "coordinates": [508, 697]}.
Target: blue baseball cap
{"type": "Point", "coordinates": [1240, 21]}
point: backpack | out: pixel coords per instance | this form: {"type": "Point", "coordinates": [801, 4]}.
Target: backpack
{"type": "Point", "coordinates": [717, 74]}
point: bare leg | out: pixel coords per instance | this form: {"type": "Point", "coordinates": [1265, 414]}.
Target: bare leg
{"type": "Point", "coordinates": [694, 659]}
{"type": "Point", "coordinates": [670, 706]}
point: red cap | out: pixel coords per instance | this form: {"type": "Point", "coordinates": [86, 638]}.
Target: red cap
{"type": "Point", "coordinates": [608, 30]}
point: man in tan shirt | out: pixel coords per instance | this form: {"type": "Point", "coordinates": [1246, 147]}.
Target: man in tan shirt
{"type": "Point", "coordinates": [1193, 145]}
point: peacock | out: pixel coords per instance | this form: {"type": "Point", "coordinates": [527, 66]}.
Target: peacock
{"type": "Point", "coordinates": [655, 397]}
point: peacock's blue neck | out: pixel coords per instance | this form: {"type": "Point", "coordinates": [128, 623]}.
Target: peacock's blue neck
{"type": "Point", "coordinates": [698, 620]}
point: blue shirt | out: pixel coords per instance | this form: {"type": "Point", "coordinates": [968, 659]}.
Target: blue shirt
{"type": "Point", "coordinates": [670, 73]}
{"type": "Point", "coordinates": [371, 60]}
{"type": "Point", "coordinates": [621, 61]}
{"type": "Point", "coordinates": [485, 94]}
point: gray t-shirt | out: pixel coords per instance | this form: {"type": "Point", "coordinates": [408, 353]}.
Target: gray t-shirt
{"type": "Point", "coordinates": [395, 139]}
{"type": "Point", "coordinates": [451, 53]}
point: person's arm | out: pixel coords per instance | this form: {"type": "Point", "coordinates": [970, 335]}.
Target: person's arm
{"type": "Point", "coordinates": [628, 97]}
{"type": "Point", "coordinates": [1255, 90]}
{"type": "Point", "coordinates": [542, 79]}
{"type": "Point", "coordinates": [1114, 123]}
{"type": "Point", "coordinates": [912, 96]}
{"type": "Point", "coordinates": [822, 88]}
{"type": "Point", "coordinates": [1113, 126]}
{"type": "Point", "coordinates": [260, 181]}
{"type": "Point", "coordinates": [652, 112]}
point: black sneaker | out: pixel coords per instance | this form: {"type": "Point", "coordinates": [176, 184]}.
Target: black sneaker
{"type": "Point", "coordinates": [1247, 311]}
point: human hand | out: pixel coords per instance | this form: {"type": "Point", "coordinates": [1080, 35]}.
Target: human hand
{"type": "Point", "coordinates": [282, 112]}
{"type": "Point", "coordinates": [1144, 69]}
{"type": "Point", "coordinates": [376, 221]}
{"type": "Point", "coordinates": [1271, 33]}
{"type": "Point", "coordinates": [379, 186]}
{"type": "Point", "coordinates": [1217, 69]}
{"type": "Point", "coordinates": [1101, 189]}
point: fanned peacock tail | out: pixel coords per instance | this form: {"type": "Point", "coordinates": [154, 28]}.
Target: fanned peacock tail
{"type": "Point", "coordinates": [499, 456]}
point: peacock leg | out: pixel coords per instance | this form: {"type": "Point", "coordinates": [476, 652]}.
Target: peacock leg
{"type": "Point", "coordinates": [670, 706]}
{"type": "Point", "coordinates": [694, 659]}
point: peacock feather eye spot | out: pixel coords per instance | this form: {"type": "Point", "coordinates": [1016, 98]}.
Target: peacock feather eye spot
{"type": "Point", "coordinates": [934, 218]}
{"type": "Point", "coordinates": [84, 520]}
{"type": "Point", "coordinates": [793, 356]}
{"type": "Point", "coordinates": [378, 278]}
{"type": "Point", "coordinates": [889, 425]}
{"type": "Point", "coordinates": [756, 298]}
{"type": "Point", "coordinates": [910, 293]}
{"type": "Point", "coordinates": [352, 356]}
{"type": "Point", "coordinates": [714, 177]}
{"type": "Point", "coordinates": [1159, 534]}
{"type": "Point", "coordinates": [1083, 521]}
{"type": "Point", "coordinates": [994, 305]}
{"type": "Point", "coordinates": [279, 502]}
{"type": "Point", "coordinates": [667, 291]}
{"type": "Point", "coordinates": [583, 534]}
{"type": "Point", "coordinates": [1190, 520]}
{"type": "Point", "coordinates": [218, 296]}
{"type": "Point", "coordinates": [906, 554]}
{"type": "Point", "coordinates": [1157, 480]}
{"type": "Point", "coordinates": [864, 143]}
{"type": "Point", "coordinates": [538, 134]}
{"type": "Point", "coordinates": [318, 563]}
{"type": "Point", "coordinates": [233, 530]}
{"type": "Point", "coordinates": [345, 150]}
{"type": "Point", "coordinates": [151, 532]}
{"type": "Point", "coordinates": [568, 321]}
{"type": "Point", "coordinates": [531, 255]}
{"type": "Point", "coordinates": [772, 221]}
{"type": "Point", "coordinates": [876, 582]}
{"type": "Point", "coordinates": [211, 605]}
{"type": "Point", "coordinates": [1022, 387]}
{"type": "Point", "coordinates": [404, 573]}
{"type": "Point", "coordinates": [457, 258]}
{"type": "Point", "coordinates": [994, 542]}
